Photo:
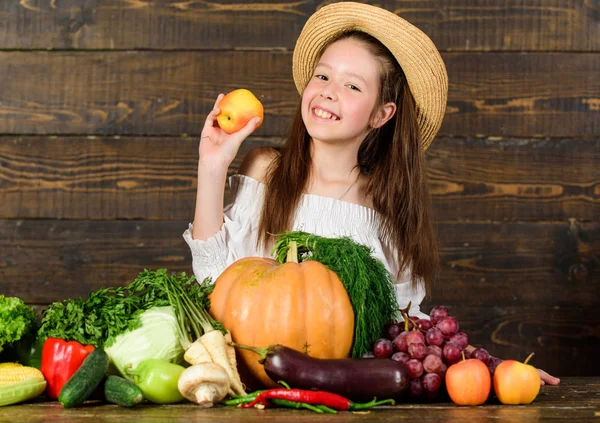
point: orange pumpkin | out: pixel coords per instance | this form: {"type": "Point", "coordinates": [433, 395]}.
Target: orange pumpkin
{"type": "Point", "coordinates": [300, 305]}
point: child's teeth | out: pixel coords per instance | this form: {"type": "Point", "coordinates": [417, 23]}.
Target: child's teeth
{"type": "Point", "coordinates": [322, 113]}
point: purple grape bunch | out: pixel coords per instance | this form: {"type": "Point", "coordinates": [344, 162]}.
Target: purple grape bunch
{"type": "Point", "coordinates": [427, 347]}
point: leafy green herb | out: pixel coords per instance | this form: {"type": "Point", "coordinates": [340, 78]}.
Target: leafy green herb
{"type": "Point", "coordinates": [16, 320]}
{"type": "Point", "coordinates": [367, 281]}
{"type": "Point", "coordinates": [110, 311]}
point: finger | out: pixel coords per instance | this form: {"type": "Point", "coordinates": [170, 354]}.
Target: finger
{"type": "Point", "coordinates": [219, 98]}
{"type": "Point", "coordinates": [211, 117]}
{"type": "Point", "coordinates": [250, 127]}
{"type": "Point", "coordinates": [547, 378]}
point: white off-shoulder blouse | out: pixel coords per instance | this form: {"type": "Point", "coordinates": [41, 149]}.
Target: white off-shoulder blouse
{"type": "Point", "coordinates": [318, 215]}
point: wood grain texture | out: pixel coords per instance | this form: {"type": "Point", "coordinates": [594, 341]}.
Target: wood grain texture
{"type": "Point", "coordinates": [499, 25]}
{"type": "Point", "coordinates": [496, 264]}
{"type": "Point", "coordinates": [549, 264]}
{"type": "Point", "coordinates": [135, 92]}
{"type": "Point", "coordinates": [532, 95]}
{"type": "Point", "coordinates": [155, 178]}
{"type": "Point", "coordinates": [514, 179]}
{"type": "Point", "coordinates": [170, 93]}
{"type": "Point", "coordinates": [103, 177]}
{"type": "Point", "coordinates": [575, 399]}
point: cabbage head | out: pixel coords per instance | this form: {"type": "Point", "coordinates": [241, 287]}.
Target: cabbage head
{"type": "Point", "coordinates": [156, 337]}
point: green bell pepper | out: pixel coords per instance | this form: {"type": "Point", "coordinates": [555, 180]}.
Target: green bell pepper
{"type": "Point", "coordinates": [158, 380]}
{"type": "Point", "coordinates": [27, 351]}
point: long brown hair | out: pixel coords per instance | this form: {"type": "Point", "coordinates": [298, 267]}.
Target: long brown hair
{"type": "Point", "coordinates": [392, 159]}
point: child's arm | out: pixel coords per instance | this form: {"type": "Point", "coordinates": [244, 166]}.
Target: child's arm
{"type": "Point", "coordinates": [216, 152]}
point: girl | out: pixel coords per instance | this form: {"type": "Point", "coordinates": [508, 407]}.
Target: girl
{"type": "Point", "coordinates": [373, 93]}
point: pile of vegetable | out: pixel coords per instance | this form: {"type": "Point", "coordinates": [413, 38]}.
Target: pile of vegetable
{"type": "Point", "coordinates": [326, 297]}
{"type": "Point", "coordinates": [154, 339]}
{"type": "Point", "coordinates": [146, 332]}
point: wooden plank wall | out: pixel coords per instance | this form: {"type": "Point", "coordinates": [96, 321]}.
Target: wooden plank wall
{"type": "Point", "coordinates": [102, 102]}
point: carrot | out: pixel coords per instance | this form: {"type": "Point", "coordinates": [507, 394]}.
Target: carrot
{"type": "Point", "coordinates": [214, 342]}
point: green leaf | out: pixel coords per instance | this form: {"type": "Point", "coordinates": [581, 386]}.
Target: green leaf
{"type": "Point", "coordinates": [108, 312]}
{"type": "Point", "coordinates": [16, 320]}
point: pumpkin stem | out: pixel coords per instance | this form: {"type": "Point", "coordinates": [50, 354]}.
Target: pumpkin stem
{"type": "Point", "coordinates": [292, 253]}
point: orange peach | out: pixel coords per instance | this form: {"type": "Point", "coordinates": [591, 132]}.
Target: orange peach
{"type": "Point", "coordinates": [237, 109]}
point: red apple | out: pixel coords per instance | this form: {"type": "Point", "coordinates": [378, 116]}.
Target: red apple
{"type": "Point", "coordinates": [237, 108]}
{"type": "Point", "coordinates": [516, 382]}
{"type": "Point", "coordinates": [468, 382]}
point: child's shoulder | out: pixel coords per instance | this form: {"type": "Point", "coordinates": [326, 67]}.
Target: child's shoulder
{"type": "Point", "coordinates": [257, 161]}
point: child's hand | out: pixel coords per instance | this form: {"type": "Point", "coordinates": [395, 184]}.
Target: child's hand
{"type": "Point", "coordinates": [218, 148]}
{"type": "Point", "coordinates": [546, 378]}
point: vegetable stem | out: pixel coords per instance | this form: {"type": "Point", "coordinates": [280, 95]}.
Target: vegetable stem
{"type": "Point", "coordinates": [293, 404]}
{"type": "Point", "coordinates": [292, 252]}
{"type": "Point", "coordinates": [260, 351]}
{"type": "Point", "coordinates": [373, 403]}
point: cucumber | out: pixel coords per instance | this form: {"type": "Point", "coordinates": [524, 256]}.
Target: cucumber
{"type": "Point", "coordinates": [118, 390]}
{"type": "Point", "coordinates": [83, 382]}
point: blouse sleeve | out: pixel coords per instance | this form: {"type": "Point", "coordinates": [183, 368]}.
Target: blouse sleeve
{"type": "Point", "coordinates": [237, 236]}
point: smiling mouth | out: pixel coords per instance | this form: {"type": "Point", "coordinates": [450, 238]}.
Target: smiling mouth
{"type": "Point", "coordinates": [324, 115]}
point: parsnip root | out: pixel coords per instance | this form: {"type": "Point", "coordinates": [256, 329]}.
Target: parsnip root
{"type": "Point", "coordinates": [214, 342]}
{"type": "Point", "coordinates": [231, 356]}
{"type": "Point", "coordinates": [197, 354]}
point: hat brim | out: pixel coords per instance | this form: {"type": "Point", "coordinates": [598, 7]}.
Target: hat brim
{"type": "Point", "coordinates": [413, 49]}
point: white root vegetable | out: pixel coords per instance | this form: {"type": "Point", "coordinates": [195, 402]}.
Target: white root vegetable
{"type": "Point", "coordinates": [205, 384]}
{"type": "Point", "coordinates": [231, 356]}
{"type": "Point", "coordinates": [194, 323]}
{"type": "Point", "coordinates": [197, 354]}
{"type": "Point", "coordinates": [214, 342]}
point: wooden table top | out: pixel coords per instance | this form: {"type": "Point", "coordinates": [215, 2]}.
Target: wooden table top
{"type": "Point", "coordinates": [574, 400]}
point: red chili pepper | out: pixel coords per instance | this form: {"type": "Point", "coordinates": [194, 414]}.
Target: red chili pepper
{"type": "Point", "coordinates": [60, 360]}
{"type": "Point", "coordinates": [328, 399]}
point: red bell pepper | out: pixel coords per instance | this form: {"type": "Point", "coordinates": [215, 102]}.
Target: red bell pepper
{"type": "Point", "coordinates": [60, 360]}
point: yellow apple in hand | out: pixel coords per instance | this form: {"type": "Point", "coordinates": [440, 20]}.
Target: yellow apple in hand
{"type": "Point", "coordinates": [237, 109]}
{"type": "Point", "coordinates": [516, 382]}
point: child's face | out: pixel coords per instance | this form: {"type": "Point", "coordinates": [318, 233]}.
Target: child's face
{"type": "Point", "coordinates": [339, 99]}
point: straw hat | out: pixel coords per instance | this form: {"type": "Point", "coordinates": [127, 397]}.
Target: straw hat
{"type": "Point", "coordinates": [415, 52]}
